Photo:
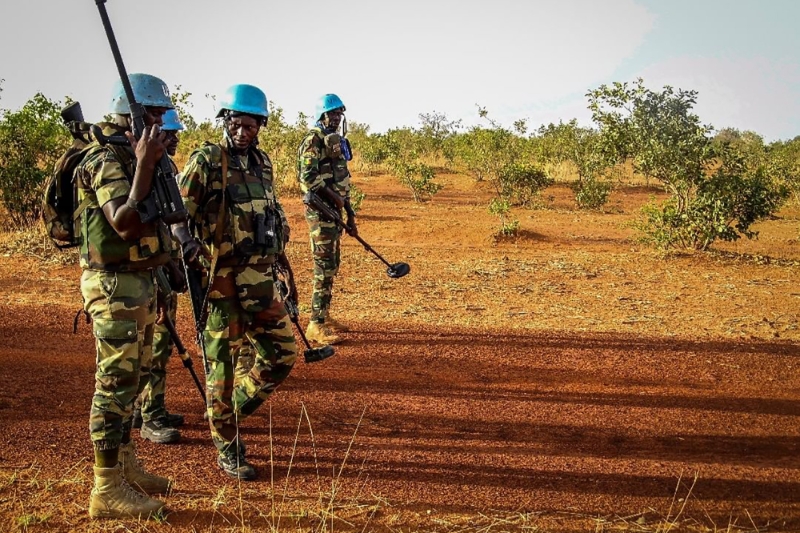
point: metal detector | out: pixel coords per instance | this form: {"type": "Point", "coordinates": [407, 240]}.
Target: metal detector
{"type": "Point", "coordinates": [311, 355]}
{"type": "Point", "coordinates": [312, 200]}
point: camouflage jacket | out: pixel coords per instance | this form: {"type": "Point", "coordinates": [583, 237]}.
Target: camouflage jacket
{"type": "Point", "coordinates": [250, 200]}
{"type": "Point", "coordinates": [105, 174]}
{"type": "Point", "coordinates": [321, 163]}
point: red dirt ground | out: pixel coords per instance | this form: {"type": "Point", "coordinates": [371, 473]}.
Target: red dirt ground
{"type": "Point", "coordinates": [566, 380]}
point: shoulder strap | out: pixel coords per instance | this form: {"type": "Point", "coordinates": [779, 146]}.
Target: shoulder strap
{"type": "Point", "coordinates": [220, 217]}
{"type": "Point", "coordinates": [212, 272]}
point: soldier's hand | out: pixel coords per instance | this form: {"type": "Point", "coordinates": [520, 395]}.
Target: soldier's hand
{"type": "Point", "coordinates": [150, 147]}
{"type": "Point", "coordinates": [193, 250]}
{"type": "Point", "coordinates": [351, 228]}
{"type": "Point", "coordinates": [162, 307]}
{"type": "Point", "coordinates": [177, 279]}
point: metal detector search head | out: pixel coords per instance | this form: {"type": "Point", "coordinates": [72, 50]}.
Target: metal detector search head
{"type": "Point", "coordinates": [398, 270]}
{"type": "Point", "coordinates": [313, 355]}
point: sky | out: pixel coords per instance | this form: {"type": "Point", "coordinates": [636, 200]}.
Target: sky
{"type": "Point", "coordinates": [391, 61]}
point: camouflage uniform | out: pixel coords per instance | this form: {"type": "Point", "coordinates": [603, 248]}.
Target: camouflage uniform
{"type": "Point", "coordinates": [321, 164]}
{"type": "Point", "coordinates": [152, 399]}
{"type": "Point", "coordinates": [243, 304]}
{"type": "Point", "coordinates": [118, 290]}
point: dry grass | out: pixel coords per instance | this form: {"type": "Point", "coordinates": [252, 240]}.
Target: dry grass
{"type": "Point", "coordinates": [33, 241]}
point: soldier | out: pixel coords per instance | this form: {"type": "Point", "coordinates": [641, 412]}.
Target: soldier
{"type": "Point", "coordinates": [150, 414]}
{"type": "Point", "coordinates": [228, 191]}
{"type": "Point", "coordinates": [322, 167]}
{"type": "Point", "coordinates": [119, 254]}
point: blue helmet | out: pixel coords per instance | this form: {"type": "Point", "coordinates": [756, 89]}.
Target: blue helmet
{"type": "Point", "coordinates": [244, 99]}
{"type": "Point", "coordinates": [148, 90]}
{"type": "Point", "coordinates": [327, 102]}
{"type": "Point", "coordinates": [171, 121]}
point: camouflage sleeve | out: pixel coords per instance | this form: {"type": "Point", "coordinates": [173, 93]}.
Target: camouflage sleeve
{"type": "Point", "coordinates": [193, 182]}
{"type": "Point", "coordinates": [106, 177]}
{"type": "Point", "coordinates": [308, 164]}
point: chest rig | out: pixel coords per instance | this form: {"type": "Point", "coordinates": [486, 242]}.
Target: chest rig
{"type": "Point", "coordinates": [254, 223]}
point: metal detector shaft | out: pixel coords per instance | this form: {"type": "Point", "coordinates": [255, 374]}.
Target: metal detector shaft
{"type": "Point", "coordinates": [184, 355]}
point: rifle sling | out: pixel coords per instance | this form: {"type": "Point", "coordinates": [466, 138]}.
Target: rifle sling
{"type": "Point", "coordinates": [212, 272]}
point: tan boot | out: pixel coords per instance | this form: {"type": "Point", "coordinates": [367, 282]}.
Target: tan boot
{"type": "Point", "coordinates": [112, 497]}
{"type": "Point", "coordinates": [335, 325]}
{"type": "Point", "coordinates": [321, 334]}
{"type": "Point", "coordinates": [136, 476]}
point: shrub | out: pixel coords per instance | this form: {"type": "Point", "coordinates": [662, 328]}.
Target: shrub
{"type": "Point", "coordinates": [31, 140]}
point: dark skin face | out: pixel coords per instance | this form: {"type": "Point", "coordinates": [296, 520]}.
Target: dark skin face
{"type": "Point", "coordinates": [332, 119]}
{"type": "Point", "coordinates": [171, 142]}
{"type": "Point", "coordinates": [154, 116]}
{"type": "Point", "coordinates": [243, 130]}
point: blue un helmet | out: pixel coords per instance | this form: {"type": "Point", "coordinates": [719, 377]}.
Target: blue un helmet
{"type": "Point", "coordinates": [327, 102]}
{"type": "Point", "coordinates": [171, 121]}
{"type": "Point", "coordinates": [243, 98]}
{"type": "Point", "coordinates": [148, 90]}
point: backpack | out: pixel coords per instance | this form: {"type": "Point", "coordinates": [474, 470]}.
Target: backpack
{"type": "Point", "coordinates": [59, 208]}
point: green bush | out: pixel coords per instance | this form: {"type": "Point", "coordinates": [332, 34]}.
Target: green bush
{"type": "Point", "coordinates": [501, 208]}
{"type": "Point", "coordinates": [417, 176]}
{"type": "Point", "coordinates": [592, 193]}
{"type": "Point", "coordinates": [31, 140]}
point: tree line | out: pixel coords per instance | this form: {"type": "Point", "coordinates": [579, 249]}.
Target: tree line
{"type": "Point", "coordinates": [718, 182]}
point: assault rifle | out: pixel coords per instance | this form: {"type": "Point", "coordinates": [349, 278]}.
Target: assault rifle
{"type": "Point", "coordinates": [166, 292]}
{"type": "Point", "coordinates": [164, 200]}
{"type": "Point", "coordinates": [329, 214]}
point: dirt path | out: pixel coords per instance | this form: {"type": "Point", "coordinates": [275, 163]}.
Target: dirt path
{"type": "Point", "coordinates": [568, 380]}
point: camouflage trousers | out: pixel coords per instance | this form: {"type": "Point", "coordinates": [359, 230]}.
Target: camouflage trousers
{"type": "Point", "coordinates": [244, 307]}
{"type": "Point", "coordinates": [325, 238]}
{"type": "Point", "coordinates": [152, 398]}
{"type": "Point", "coordinates": [123, 310]}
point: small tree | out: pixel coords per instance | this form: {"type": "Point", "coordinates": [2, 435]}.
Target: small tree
{"type": "Point", "coordinates": [715, 194]}
{"type": "Point", "coordinates": [31, 140]}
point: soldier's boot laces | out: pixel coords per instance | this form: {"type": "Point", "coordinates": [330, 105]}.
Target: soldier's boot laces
{"type": "Point", "coordinates": [335, 325]}
{"type": "Point", "coordinates": [113, 497]}
{"type": "Point", "coordinates": [321, 333]}
{"type": "Point", "coordinates": [233, 462]}
{"type": "Point", "coordinates": [159, 431]}
{"type": "Point", "coordinates": [136, 476]}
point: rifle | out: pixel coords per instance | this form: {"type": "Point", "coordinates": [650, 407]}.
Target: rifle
{"type": "Point", "coordinates": [311, 355]}
{"type": "Point", "coordinates": [329, 214]}
{"type": "Point", "coordinates": [72, 115]}
{"type": "Point", "coordinates": [194, 280]}
{"type": "Point", "coordinates": [164, 200]}
{"type": "Point", "coordinates": [164, 288]}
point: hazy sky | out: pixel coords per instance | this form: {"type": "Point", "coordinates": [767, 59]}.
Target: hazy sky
{"type": "Point", "coordinates": [390, 61]}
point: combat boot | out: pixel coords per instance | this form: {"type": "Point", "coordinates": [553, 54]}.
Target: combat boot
{"type": "Point", "coordinates": [112, 497]}
{"type": "Point", "coordinates": [172, 420]}
{"type": "Point", "coordinates": [233, 462]}
{"type": "Point", "coordinates": [136, 476]}
{"type": "Point", "coordinates": [335, 325]}
{"type": "Point", "coordinates": [157, 430]}
{"type": "Point", "coordinates": [321, 334]}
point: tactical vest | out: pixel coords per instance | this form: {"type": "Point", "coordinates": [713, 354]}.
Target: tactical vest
{"type": "Point", "coordinates": [101, 246]}
{"type": "Point", "coordinates": [253, 226]}
{"type": "Point", "coordinates": [332, 164]}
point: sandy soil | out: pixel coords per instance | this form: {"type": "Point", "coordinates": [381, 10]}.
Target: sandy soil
{"type": "Point", "coordinates": [569, 379]}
